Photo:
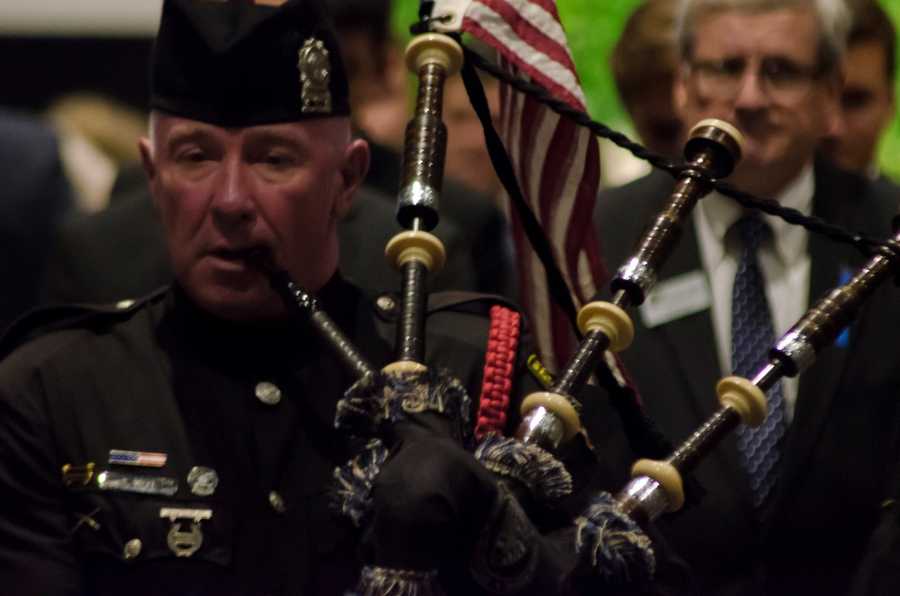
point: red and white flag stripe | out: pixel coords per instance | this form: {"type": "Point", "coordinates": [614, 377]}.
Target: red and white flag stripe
{"type": "Point", "coordinates": [556, 161]}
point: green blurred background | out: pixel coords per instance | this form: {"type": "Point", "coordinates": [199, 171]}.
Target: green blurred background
{"type": "Point", "coordinates": [593, 27]}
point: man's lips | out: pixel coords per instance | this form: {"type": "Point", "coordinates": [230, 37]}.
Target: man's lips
{"type": "Point", "coordinates": [249, 257]}
{"type": "Point", "coordinates": [241, 253]}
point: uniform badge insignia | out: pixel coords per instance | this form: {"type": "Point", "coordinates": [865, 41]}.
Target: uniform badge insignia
{"type": "Point", "coordinates": [314, 64]}
{"type": "Point", "coordinates": [132, 483]}
{"type": "Point", "coordinates": [184, 543]}
{"type": "Point", "coordinates": [145, 459]}
{"type": "Point", "coordinates": [539, 372]}
{"type": "Point", "coordinates": [77, 476]}
{"type": "Point", "coordinates": [203, 481]}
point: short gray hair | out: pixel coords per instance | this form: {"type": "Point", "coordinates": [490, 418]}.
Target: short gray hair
{"type": "Point", "coordinates": [833, 16]}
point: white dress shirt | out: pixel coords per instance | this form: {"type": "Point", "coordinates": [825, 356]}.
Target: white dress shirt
{"type": "Point", "coordinates": [784, 262]}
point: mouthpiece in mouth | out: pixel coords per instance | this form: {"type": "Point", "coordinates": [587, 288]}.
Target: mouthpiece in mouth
{"type": "Point", "coordinates": [262, 259]}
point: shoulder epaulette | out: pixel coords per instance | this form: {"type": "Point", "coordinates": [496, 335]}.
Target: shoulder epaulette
{"type": "Point", "coordinates": [43, 320]}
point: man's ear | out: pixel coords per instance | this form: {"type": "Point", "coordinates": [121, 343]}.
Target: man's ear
{"type": "Point", "coordinates": [353, 170]}
{"type": "Point", "coordinates": [147, 161]}
{"type": "Point", "coordinates": [892, 107]}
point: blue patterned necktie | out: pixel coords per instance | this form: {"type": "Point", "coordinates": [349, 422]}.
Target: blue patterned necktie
{"type": "Point", "coordinates": [752, 336]}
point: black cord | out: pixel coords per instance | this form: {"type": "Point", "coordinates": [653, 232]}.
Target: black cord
{"type": "Point", "coordinates": [556, 283]}
{"type": "Point", "coordinates": [865, 244]}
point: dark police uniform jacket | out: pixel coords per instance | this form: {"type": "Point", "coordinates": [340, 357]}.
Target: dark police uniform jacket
{"type": "Point", "coordinates": [165, 377]}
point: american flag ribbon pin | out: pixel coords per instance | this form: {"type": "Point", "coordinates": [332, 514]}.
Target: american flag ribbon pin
{"type": "Point", "coordinates": [143, 459]}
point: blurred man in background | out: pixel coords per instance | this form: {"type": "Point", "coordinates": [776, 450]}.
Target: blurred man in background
{"type": "Point", "coordinates": [788, 508]}
{"type": "Point", "coordinates": [34, 196]}
{"type": "Point", "coordinates": [867, 101]}
{"type": "Point", "coordinates": [644, 63]}
{"type": "Point", "coordinates": [378, 76]}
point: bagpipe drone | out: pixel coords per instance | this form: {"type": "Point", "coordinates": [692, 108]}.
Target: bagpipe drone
{"type": "Point", "coordinates": [418, 417]}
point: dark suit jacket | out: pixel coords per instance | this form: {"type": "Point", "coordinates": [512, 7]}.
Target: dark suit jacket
{"type": "Point", "coordinates": [34, 194]}
{"type": "Point", "coordinates": [120, 253]}
{"type": "Point", "coordinates": [842, 438]}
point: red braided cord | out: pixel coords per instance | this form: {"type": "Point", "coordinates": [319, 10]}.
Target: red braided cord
{"type": "Point", "coordinates": [499, 365]}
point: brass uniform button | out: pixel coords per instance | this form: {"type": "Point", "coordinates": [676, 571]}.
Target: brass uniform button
{"type": "Point", "coordinates": [386, 308]}
{"type": "Point", "coordinates": [268, 393]}
{"type": "Point", "coordinates": [277, 502]}
{"type": "Point", "coordinates": [132, 548]}
{"type": "Point", "coordinates": [386, 304]}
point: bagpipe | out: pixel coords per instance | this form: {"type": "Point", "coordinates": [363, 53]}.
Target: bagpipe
{"type": "Point", "coordinates": [423, 499]}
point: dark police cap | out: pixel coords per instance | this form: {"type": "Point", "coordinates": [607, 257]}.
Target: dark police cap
{"type": "Point", "coordinates": [247, 62]}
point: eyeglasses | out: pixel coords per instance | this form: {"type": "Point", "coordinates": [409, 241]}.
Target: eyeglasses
{"type": "Point", "coordinates": [784, 81]}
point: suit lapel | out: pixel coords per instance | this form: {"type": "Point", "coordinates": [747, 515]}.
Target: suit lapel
{"type": "Point", "coordinates": [686, 334]}
{"type": "Point", "coordinates": [835, 201]}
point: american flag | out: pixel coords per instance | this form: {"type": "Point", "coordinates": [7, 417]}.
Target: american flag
{"type": "Point", "coordinates": [146, 459]}
{"type": "Point", "coordinates": [556, 161]}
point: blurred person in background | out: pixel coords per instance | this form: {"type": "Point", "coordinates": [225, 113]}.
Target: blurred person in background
{"type": "Point", "coordinates": [644, 63]}
{"type": "Point", "coordinates": [96, 135]}
{"type": "Point", "coordinates": [867, 101]}
{"type": "Point", "coordinates": [789, 507]}
{"type": "Point", "coordinates": [468, 160]}
{"type": "Point", "coordinates": [34, 196]}
{"type": "Point", "coordinates": [376, 68]}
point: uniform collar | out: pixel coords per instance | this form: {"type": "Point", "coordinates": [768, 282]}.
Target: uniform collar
{"type": "Point", "coordinates": [225, 339]}
{"type": "Point", "coordinates": [717, 213]}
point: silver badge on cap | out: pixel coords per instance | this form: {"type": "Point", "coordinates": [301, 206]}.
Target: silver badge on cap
{"type": "Point", "coordinates": [203, 481]}
{"type": "Point", "coordinates": [314, 64]}
{"type": "Point", "coordinates": [184, 543]}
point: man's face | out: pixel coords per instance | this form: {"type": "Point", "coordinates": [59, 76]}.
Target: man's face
{"type": "Point", "coordinates": [759, 71]}
{"type": "Point", "coordinates": [655, 120]}
{"type": "Point", "coordinates": [867, 104]}
{"type": "Point", "coordinates": [225, 194]}
{"type": "Point", "coordinates": [467, 158]}
{"type": "Point", "coordinates": [377, 77]}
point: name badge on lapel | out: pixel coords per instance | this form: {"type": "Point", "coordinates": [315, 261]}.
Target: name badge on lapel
{"type": "Point", "coordinates": [676, 298]}
{"type": "Point", "coordinates": [133, 483]}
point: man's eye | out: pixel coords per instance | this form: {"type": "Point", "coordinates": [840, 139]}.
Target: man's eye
{"type": "Point", "coordinates": [781, 70]}
{"type": "Point", "coordinates": [278, 160]}
{"type": "Point", "coordinates": [192, 156]}
{"type": "Point", "coordinates": [855, 99]}
{"type": "Point", "coordinates": [733, 67]}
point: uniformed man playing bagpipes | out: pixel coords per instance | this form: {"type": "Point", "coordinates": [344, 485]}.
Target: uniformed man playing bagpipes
{"type": "Point", "coordinates": [185, 443]}
{"type": "Point", "coordinates": [434, 517]}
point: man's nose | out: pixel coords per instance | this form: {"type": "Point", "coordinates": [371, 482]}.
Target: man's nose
{"type": "Point", "coordinates": [233, 203]}
{"type": "Point", "coordinates": [751, 92]}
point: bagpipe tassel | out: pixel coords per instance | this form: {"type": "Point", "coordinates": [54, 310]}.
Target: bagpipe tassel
{"type": "Point", "coordinates": [352, 496]}
{"type": "Point", "coordinates": [376, 402]}
{"type": "Point", "coordinates": [384, 581]}
{"type": "Point", "coordinates": [544, 476]}
{"type": "Point", "coordinates": [612, 545]}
